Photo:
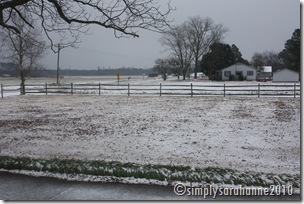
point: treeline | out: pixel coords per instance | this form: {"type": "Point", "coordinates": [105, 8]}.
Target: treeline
{"type": "Point", "coordinates": [101, 72]}
{"type": "Point", "coordinates": [9, 69]}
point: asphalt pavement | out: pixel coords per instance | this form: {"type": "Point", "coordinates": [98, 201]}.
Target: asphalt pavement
{"type": "Point", "coordinates": [16, 187]}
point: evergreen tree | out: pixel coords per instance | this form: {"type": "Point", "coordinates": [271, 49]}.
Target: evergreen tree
{"type": "Point", "coordinates": [291, 54]}
{"type": "Point", "coordinates": [221, 56]}
{"type": "Point", "coordinates": [238, 55]}
{"type": "Point", "coordinates": [236, 52]}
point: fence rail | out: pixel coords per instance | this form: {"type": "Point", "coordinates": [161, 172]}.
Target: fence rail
{"type": "Point", "coordinates": [290, 90]}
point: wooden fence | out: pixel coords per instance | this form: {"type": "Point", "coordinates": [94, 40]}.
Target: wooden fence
{"type": "Point", "coordinates": [288, 90]}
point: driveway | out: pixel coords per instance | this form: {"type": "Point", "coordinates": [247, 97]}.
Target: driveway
{"type": "Point", "coordinates": [21, 187]}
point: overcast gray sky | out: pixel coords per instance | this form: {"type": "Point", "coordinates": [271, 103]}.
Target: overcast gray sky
{"type": "Point", "coordinates": [254, 26]}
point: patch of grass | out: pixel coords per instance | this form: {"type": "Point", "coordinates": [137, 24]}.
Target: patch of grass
{"type": "Point", "coordinates": [209, 175]}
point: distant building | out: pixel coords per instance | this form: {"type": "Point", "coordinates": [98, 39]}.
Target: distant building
{"type": "Point", "coordinates": [285, 75]}
{"type": "Point", "coordinates": [237, 70]}
{"type": "Point", "coordinates": [265, 73]}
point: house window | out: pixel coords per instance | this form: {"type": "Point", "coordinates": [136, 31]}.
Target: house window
{"type": "Point", "coordinates": [249, 73]}
{"type": "Point", "coordinates": [227, 73]}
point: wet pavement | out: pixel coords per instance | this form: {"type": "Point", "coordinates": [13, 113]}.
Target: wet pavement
{"type": "Point", "coordinates": [22, 187]}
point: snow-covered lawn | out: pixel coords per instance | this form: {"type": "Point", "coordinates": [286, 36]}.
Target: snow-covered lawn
{"type": "Point", "coordinates": [243, 134]}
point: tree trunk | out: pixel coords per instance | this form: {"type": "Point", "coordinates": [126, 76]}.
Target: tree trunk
{"type": "Point", "coordinates": [22, 86]}
{"type": "Point", "coordinates": [195, 69]}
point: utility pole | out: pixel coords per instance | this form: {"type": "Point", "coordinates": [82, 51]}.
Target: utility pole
{"type": "Point", "coordinates": [58, 63]}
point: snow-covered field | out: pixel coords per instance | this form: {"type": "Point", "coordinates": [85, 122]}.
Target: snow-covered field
{"type": "Point", "coordinates": [244, 134]}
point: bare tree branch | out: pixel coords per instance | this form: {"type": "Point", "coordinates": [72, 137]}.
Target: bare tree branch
{"type": "Point", "coordinates": [20, 15]}
{"type": "Point", "coordinates": [9, 5]}
{"type": "Point", "coordinates": [70, 18]}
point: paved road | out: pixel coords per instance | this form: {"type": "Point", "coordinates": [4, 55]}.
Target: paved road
{"type": "Point", "coordinates": [21, 187]}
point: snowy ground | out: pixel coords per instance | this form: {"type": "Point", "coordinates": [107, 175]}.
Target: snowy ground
{"type": "Point", "coordinates": [244, 134]}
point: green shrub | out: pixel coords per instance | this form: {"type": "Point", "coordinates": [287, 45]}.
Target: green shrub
{"type": "Point", "coordinates": [149, 171]}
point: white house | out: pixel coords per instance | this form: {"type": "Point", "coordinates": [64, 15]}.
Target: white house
{"type": "Point", "coordinates": [285, 75]}
{"type": "Point", "coordinates": [238, 69]}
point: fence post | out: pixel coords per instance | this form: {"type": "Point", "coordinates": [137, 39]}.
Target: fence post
{"type": "Point", "coordinates": [259, 89]}
{"type": "Point", "coordinates": [1, 90]}
{"type": "Point", "coordinates": [46, 89]}
{"type": "Point", "coordinates": [191, 90]}
{"type": "Point", "coordinates": [128, 89]}
{"type": "Point", "coordinates": [224, 90]}
{"type": "Point", "coordinates": [71, 88]}
{"type": "Point", "coordinates": [160, 89]}
{"type": "Point", "coordinates": [295, 89]}
{"type": "Point", "coordinates": [99, 89]}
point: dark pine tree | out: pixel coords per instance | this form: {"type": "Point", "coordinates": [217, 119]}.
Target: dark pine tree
{"type": "Point", "coordinates": [291, 54]}
{"type": "Point", "coordinates": [221, 56]}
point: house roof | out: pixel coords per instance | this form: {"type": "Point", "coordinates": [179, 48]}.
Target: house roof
{"type": "Point", "coordinates": [280, 70]}
{"type": "Point", "coordinates": [237, 64]}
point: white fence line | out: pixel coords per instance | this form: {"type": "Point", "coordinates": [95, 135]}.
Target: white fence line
{"type": "Point", "coordinates": [161, 89]}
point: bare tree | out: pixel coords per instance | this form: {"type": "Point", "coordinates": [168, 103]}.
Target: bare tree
{"type": "Point", "coordinates": [201, 33]}
{"type": "Point", "coordinates": [258, 61]}
{"type": "Point", "coordinates": [24, 49]}
{"type": "Point", "coordinates": [174, 67]}
{"type": "Point", "coordinates": [267, 58]}
{"type": "Point", "coordinates": [191, 40]}
{"type": "Point", "coordinates": [176, 42]}
{"type": "Point", "coordinates": [162, 67]}
{"type": "Point", "coordinates": [70, 18]}
{"type": "Point", "coordinates": [166, 67]}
